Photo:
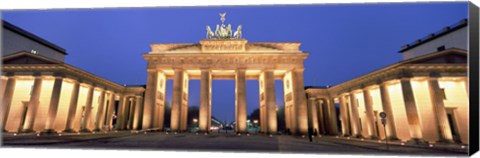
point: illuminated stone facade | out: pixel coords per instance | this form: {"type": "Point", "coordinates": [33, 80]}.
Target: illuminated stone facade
{"type": "Point", "coordinates": [425, 96]}
{"type": "Point", "coordinates": [225, 59]}
{"type": "Point", "coordinates": [417, 95]}
{"type": "Point", "coordinates": [41, 93]}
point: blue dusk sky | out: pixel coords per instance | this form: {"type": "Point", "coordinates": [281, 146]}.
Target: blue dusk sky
{"type": "Point", "coordinates": [343, 41]}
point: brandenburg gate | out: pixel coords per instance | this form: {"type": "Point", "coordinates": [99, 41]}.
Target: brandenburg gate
{"type": "Point", "coordinates": [223, 56]}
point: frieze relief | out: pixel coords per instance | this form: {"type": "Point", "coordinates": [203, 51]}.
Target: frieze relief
{"type": "Point", "coordinates": [225, 60]}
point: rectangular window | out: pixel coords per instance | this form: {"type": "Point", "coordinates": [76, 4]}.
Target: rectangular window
{"type": "Point", "coordinates": [442, 91]}
{"type": "Point", "coordinates": [441, 48]}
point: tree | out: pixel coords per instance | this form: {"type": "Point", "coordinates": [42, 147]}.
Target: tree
{"type": "Point", "coordinates": [281, 119]}
{"type": "Point", "coordinates": [192, 114]}
{"type": "Point", "coordinates": [255, 115]}
{"type": "Point", "coordinates": [167, 112]}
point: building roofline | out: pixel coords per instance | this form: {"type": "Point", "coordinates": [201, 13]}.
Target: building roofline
{"type": "Point", "coordinates": [33, 37]}
{"type": "Point", "coordinates": [446, 30]}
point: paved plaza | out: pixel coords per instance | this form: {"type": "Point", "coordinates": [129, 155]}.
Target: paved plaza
{"type": "Point", "coordinates": [224, 142]}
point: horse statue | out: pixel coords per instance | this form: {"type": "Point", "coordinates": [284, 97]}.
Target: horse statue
{"type": "Point", "coordinates": [238, 33]}
{"type": "Point", "coordinates": [210, 34]}
{"type": "Point", "coordinates": [229, 31]}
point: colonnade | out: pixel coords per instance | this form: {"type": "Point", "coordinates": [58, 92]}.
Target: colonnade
{"type": "Point", "coordinates": [418, 109]}
{"type": "Point", "coordinates": [55, 103]}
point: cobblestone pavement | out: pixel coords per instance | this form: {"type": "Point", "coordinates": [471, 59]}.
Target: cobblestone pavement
{"type": "Point", "coordinates": [220, 142]}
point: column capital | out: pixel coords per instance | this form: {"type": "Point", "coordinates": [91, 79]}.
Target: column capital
{"type": "Point", "coordinates": [151, 70]}
{"type": "Point", "coordinates": [37, 74]}
{"type": "Point", "coordinates": [58, 74]}
{"type": "Point", "coordinates": [435, 75]}
{"type": "Point", "coordinates": [203, 69]}
{"type": "Point", "coordinates": [10, 74]}
{"type": "Point", "coordinates": [300, 69]}
{"type": "Point", "coordinates": [178, 69]}
{"type": "Point", "coordinates": [241, 70]}
{"type": "Point", "coordinates": [268, 70]}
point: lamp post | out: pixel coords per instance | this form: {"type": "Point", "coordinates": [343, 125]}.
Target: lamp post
{"type": "Point", "coordinates": [195, 120]}
{"type": "Point", "coordinates": [255, 125]}
{"type": "Point", "coordinates": [383, 117]}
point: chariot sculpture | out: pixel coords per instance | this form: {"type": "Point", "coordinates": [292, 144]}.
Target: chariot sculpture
{"type": "Point", "coordinates": [224, 31]}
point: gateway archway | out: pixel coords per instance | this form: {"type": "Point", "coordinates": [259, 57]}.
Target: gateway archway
{"type": "Point", "coordinates": [223, 57]}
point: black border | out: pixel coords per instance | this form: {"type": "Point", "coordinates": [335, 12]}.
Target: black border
{"type": "Point", "coordinates": [473, 78]}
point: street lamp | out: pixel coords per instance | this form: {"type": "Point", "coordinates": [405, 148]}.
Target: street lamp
{"type": "Point", "coordinates": [195, 120]}
{"type": "Point", "coordinates": [255, 125]}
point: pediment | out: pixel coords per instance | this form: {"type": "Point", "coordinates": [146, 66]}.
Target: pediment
{"type": "Point", "coordinates": [27, 58]}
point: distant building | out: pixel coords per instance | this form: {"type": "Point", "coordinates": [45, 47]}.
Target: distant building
{"type": "Point", "coordinates": [15, 39]}
{"type": "Point", "coordinates": [454, 36]}
{"type": "Point", "coordinates": [425, 96]}
{"type": "Point", "coordinates": [41, 93]}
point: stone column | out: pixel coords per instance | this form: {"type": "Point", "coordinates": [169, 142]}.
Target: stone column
{"type": "Point", "coordinates": [333, 126]}
{"type": "Point", "coordinates": [184, 106]}
{"type": "Point", "coordinates": [33, 104]}
{"type": "Point", "coordinates": [344, 116]}
{"type": "Point", "coordinates": [72, 108]}
{"type": "Point", "coordinates": [131, 113]}
{"type": "Point", "coordinates": [355, 117]}
{"type": "Point", "coordinates": [270, 110]}
{"type": "Point", "coordinates": [54, 103]}
{"type": "Point", "coordinates": [121, 112]}
{"type": "Point", "coordinates": [149, 100]}
{"type": "Point", "coordinates": [313, 114]}
{"type": "Point", "coordinates": [3, 86]}
{"type": "Point", "coordinates": [439, 109]}
{"type": "Point", "coordinates": [110, 111]}
{"type": "Point", "coordinates": [321, 117]}
{"type": "Point", "coordinates": [369, 114]}
{"type": "Point", "coordinates": [101, 106]}
{"type": "Point", "coordinates": [176, 100]}
{"type": "Point", "coordinates": [88, 110]}
{"type": "Point", "coordinates": [204, 101]}
{"type": "Point", "coordinates": [241, 101]}
{"type": "Point", "coordinates": [138, 109]}
{"type": "Point", "coordinates": [7, 99]}
{"type": "Point", "coordinates": [411, 108]}
{"type": "Point", "coordinates": [387, 108]}
{"type": "Point", "coordinates": [301, 101]}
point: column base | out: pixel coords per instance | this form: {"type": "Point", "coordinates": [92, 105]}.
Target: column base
{"type": "Point", "coordinates": [27, 131]}
{"type": "Point", "coordinates": [392, 138]}
{"type": "Point", "coordinates": [97, 130]}
{"type": "Point", "coordinates": [357, 136]}
{"type": "Point", "coordinates": [85, 131]}
{"type": "Point", "coordinates": [417, 141]}
{"type": "Point", "coordinates": [69, 131]}
{"type": "Point", "coordinates": [48, 132]}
